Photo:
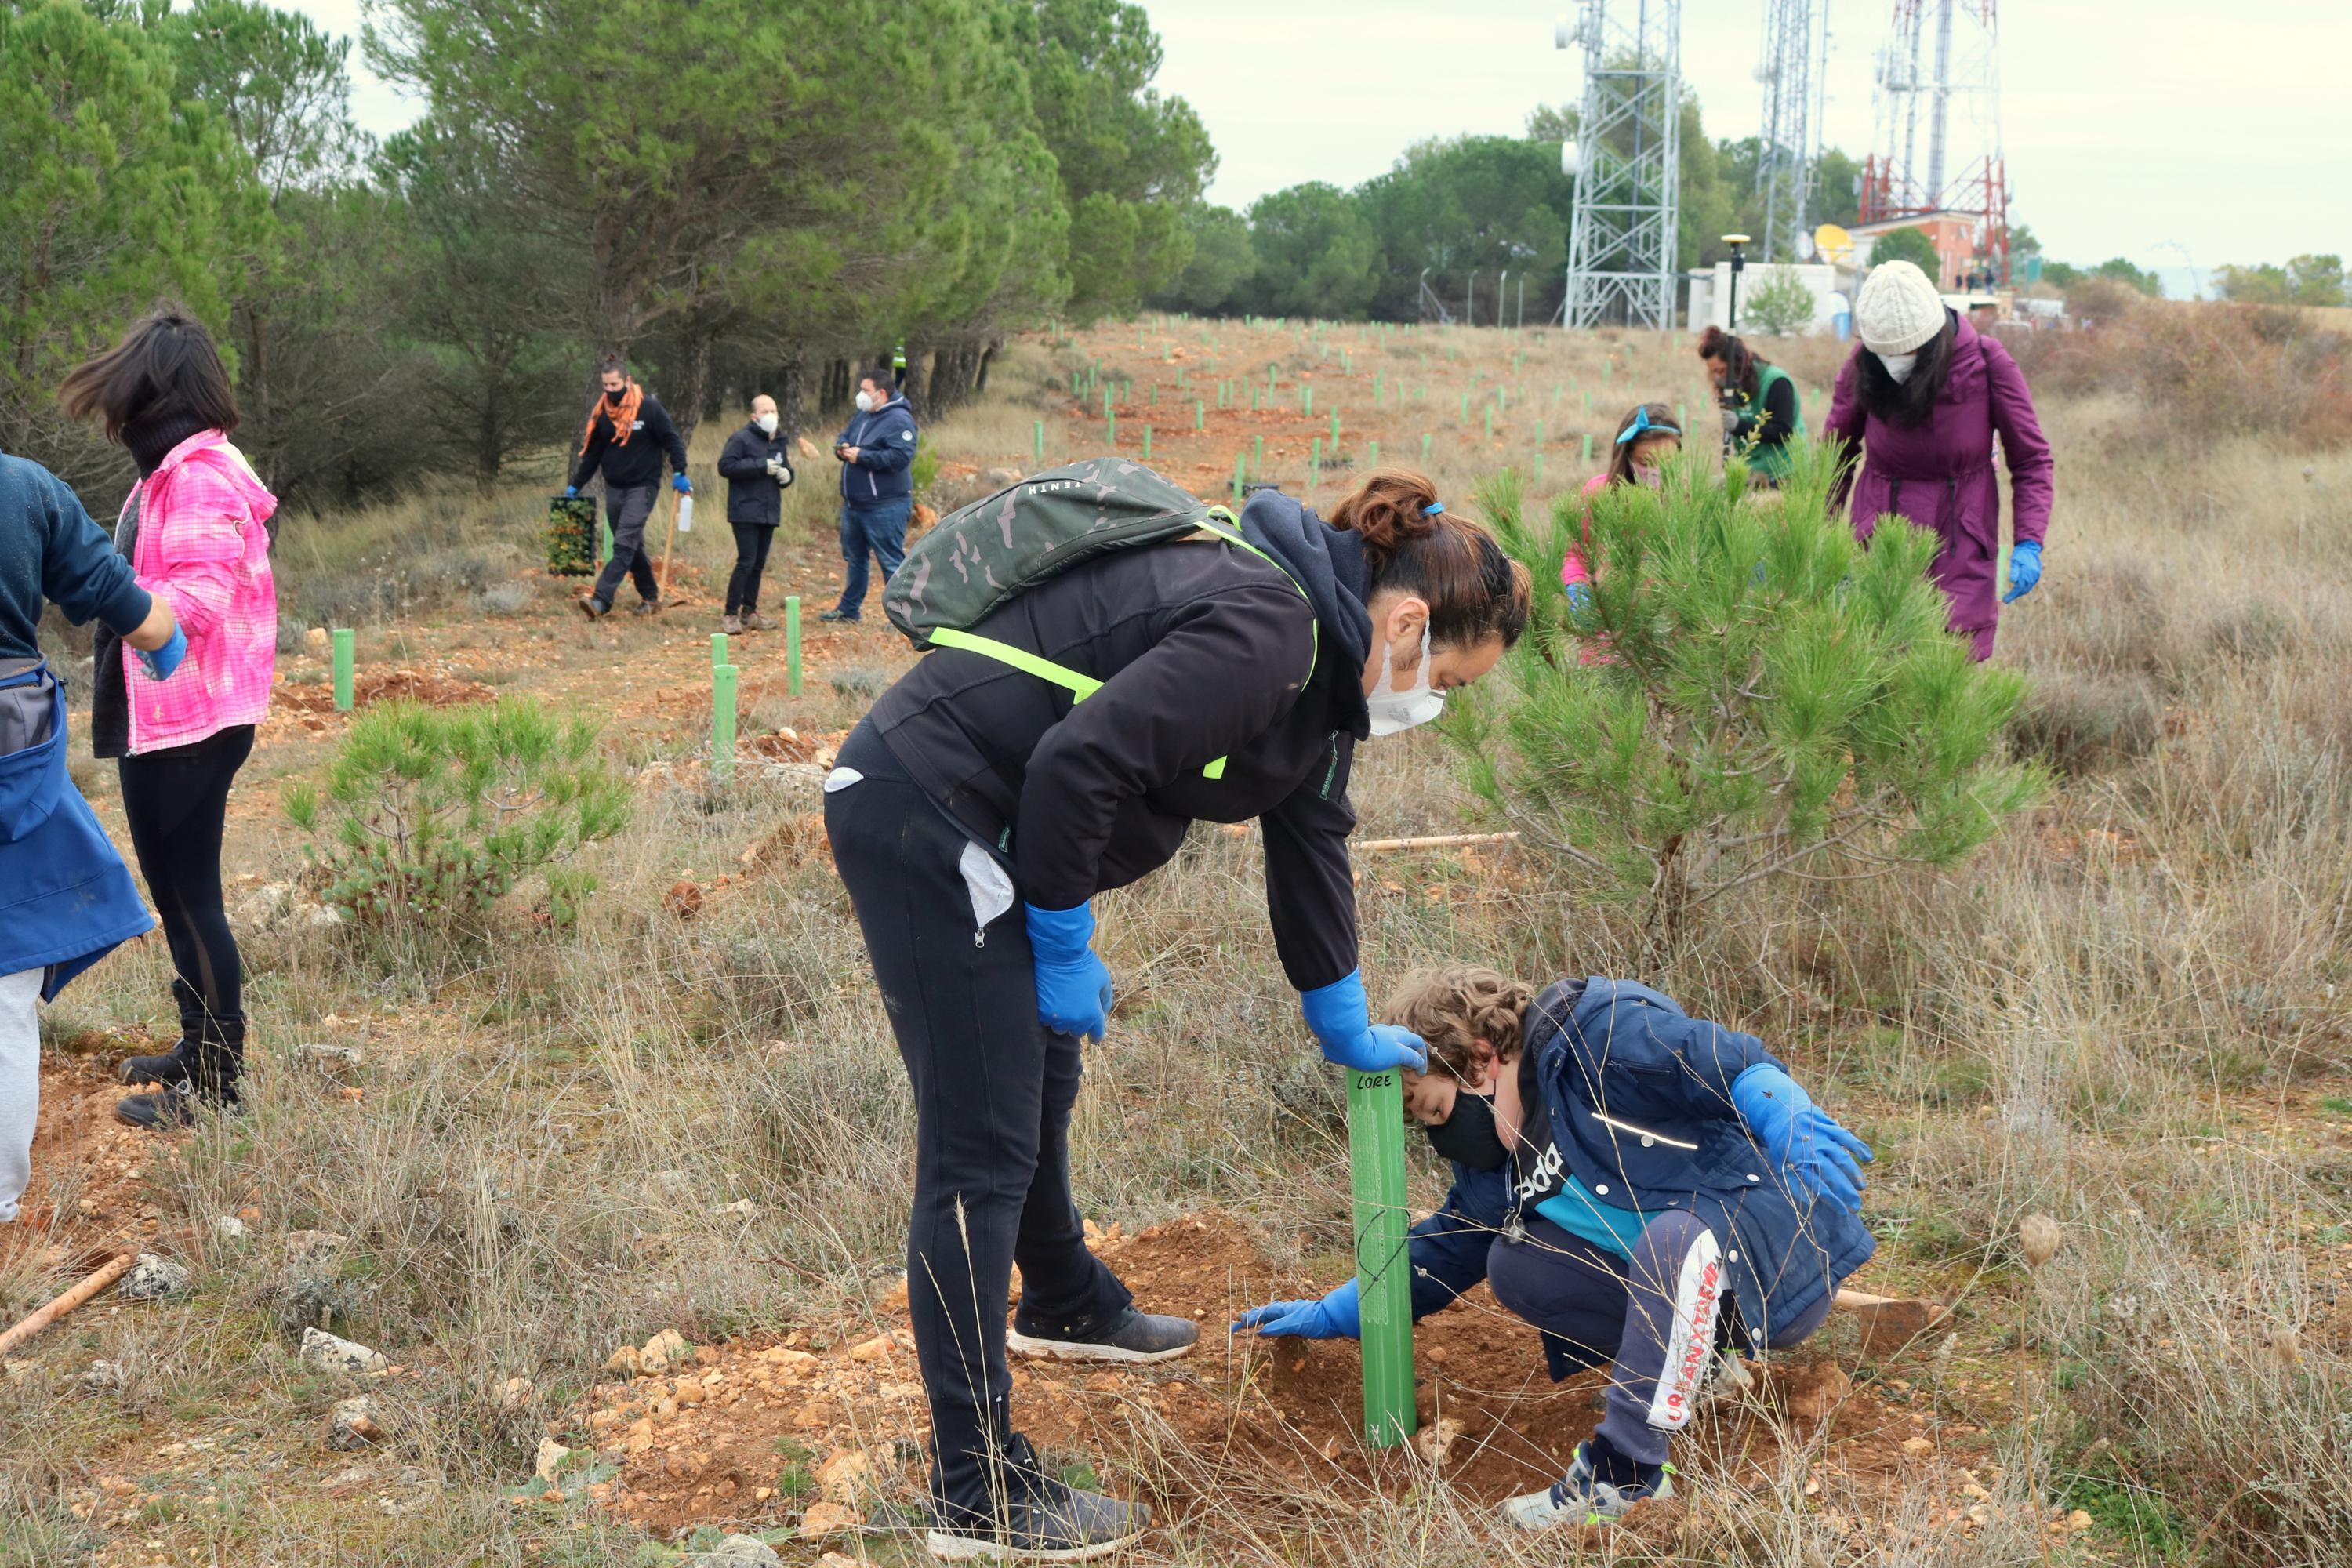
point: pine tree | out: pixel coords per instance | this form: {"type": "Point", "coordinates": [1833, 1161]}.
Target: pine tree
{"type": "Point", "coordinates": [1749, 694]}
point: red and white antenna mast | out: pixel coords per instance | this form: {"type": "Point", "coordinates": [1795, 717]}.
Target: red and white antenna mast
{"type": "Point", "coordinates": [1941, 65]}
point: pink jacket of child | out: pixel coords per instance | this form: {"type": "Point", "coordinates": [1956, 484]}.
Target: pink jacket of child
{"type": "Point", "coordinates": [203, 545]}
{"type": "Point", "coordinates": [1572, 569]}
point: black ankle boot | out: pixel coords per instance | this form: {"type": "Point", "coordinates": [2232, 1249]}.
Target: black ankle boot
{"type": "Point", "coordinates": [176, 1066]}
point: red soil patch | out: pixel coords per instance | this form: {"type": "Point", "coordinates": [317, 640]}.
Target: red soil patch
{"type": "Point", "coordinates": [369, 687]}
{"type": "Point", "coordinates": [1241, 1435]}
{"type": "Point", "coordinates": [87, 1168]}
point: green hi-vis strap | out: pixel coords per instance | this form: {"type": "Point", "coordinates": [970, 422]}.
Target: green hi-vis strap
{"type": "Point", "coordinates": [1081, 686]}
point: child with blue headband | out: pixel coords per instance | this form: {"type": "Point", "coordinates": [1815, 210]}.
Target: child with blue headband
{"type": "Point", "coordinates": [1646, 437]}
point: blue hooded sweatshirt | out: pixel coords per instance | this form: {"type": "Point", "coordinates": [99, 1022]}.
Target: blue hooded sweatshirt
{"type": "Point", "coordinates": [1638, 1094]}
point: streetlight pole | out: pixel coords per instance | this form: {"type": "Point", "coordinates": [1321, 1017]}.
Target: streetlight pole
{"type": "Point", "coordinates": [1738, 263]}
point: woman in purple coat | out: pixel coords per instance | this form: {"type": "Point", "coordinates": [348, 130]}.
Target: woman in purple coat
{"type": "Point", "coordinates": [1923, 397]}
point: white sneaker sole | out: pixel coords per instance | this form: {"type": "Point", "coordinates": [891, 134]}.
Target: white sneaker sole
{"type": "Point", "coordinates": [977, 1549]}
{"type": "Point", "coordinates": [1022, 1345]}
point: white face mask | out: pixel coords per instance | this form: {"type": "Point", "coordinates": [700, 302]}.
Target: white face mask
{"type": "Point", "coordinates": [1899, 365]}
{"type": "Point", "coordinates": [1394, 712]}
{"type": "Point", "coordinates": [866, 402]}
{"type": "Point", "coordinates": [767, 423]}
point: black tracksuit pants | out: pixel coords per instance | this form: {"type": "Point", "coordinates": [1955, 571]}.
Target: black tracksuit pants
{"type": "Point", "coordinates": [992, 1091]}
{"type": "Point", "coordinates": [752, 542]}
{"type": "Point", "coordinates": [176, 804]}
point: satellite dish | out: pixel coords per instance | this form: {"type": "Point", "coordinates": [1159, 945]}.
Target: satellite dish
{"type": "Point", "coordinates": [1563, 32]}
{"type": "Point", "coordinates": [1572, 162]}
{"type": "Point", "coordinates": [1832, 243]}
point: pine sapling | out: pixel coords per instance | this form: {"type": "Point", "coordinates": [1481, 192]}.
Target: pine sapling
{"type": "Point", "coordinates": [1746, 694]}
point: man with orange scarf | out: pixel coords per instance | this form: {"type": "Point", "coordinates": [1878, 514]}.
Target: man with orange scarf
{"type": "Point", "coordinates": [627, 434]}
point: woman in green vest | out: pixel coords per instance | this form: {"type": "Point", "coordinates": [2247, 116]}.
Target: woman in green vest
{"type": "Point", "coordinates": [1759, 402]}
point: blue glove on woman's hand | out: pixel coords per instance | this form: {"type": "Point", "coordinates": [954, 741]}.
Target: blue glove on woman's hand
{"type": "Point", "coordinates": [1335, 1317]}
{"type": "Point", "coordinates": [2024, 571]}
{"type": "Point", "coordinates": [1579, 597]}
{"type": "Point", "coordinates": [1816, 1157]}
{"type": "Point", "coordinates": [1343, 1026]}
{"type": "Point", "coordinates": [570, 492]}
{"type": "Point", "coordinates": [679, 483]}
{"type": "Point", "coordinates": [162, 661]}
{"type": "Point", "coordinates": [1073, 985]}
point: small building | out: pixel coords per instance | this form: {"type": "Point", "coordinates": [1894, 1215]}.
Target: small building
{"type": "Point", "coordinates": [1959, 239]}
{"type": "Point", "coordinates": [1708, 293]}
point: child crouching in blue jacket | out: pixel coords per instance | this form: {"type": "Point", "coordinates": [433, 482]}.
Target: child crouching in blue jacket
{"type": "Point", "coordinates": [1641, 1186]}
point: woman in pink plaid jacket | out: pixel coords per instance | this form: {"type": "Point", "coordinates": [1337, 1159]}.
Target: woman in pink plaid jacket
{"type": "Point", "coordinates": [196, 529]}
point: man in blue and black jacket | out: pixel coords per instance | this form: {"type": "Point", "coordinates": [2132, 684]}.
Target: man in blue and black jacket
{"type": "Point", "coordinates": [876, 451]}
{"type": "Point", "coordinates": [1641, 1186]}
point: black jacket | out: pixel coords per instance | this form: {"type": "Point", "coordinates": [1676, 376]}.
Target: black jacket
{"type": "Point", "coordinates": [1204, 651]}
{"type": "Point", "coordinates": [639, 462]}
{"type": "Point", "coordinates": [751, 496]}
{"type": "Point", "coordinates": [885, 440]}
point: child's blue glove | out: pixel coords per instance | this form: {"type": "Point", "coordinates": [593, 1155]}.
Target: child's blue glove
{"type": "Point", "coordinates": [162, 661]}
{"type": "Point", "coordinates": [1579, 597]}
{"type": "Point", "coordinates": [677, 482]}
{"type": "Point", "coordinates": [1335, 1317]}
{"type": "Point", "coordinates": [1815, 1156]}
{"type": "Point", "coordinates": [1073, 984]}
{"type": "Point", "coordinates": [2024, 571]}
{"type": "Point", "coordinates": [1343, 1026]}
{"type": "Point", "coordinates": [570, 492]}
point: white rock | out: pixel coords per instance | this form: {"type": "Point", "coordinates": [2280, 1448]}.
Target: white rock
{"type": "Point", "coordinates": [737, 1551]}
{"type": "Point", "coordinates": [104, 1377]}
{"type": "Point", "coordinates": [741, 1208]}
{"type": "Point", "coordinates": [552, 1455]}
{"type": "Point", "coordinates": [228, 1227]}
{"type": "Point", "coordinates": [332, 1353]}
{"type": "Point", "coordinates": [333, 1055]}
{"type": "Point", "coordinates": [266, 905]}
{"type": "Point", "coordinates": [354, 1423]}
{"type": "Point", "coordinates": [151, 1278]}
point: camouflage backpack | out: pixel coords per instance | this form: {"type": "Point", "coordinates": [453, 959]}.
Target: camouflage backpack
{"type": "Point", "coordinates": [978, 557]}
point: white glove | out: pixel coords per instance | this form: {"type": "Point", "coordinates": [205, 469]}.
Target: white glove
{"type": "Point", "coordinates": [778, 471]}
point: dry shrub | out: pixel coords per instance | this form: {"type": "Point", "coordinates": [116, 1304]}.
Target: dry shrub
{"type": "Point", "coordinates": [2083, 723]}
{"type": "Point", "coordinates": [2204, 371]}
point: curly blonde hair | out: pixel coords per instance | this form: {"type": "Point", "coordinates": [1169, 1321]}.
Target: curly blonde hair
{"type": "Point", "coordinates": [1449, 1008]}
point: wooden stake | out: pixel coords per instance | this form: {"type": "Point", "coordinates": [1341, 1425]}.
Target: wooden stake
{"type": "Point", "coordinates": [667, 543]}
{"type": "Point", "coordinates": [1440, 841]}
{"type": "Point", "coordinates": [114, 1269]}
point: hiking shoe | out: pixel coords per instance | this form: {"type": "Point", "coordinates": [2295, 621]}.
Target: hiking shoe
{"type": "Point", "coordinates": [646, 607]}
{"type": "Point", "coordinates": [1060, 1524]}
{"type": "Point", "coordinates": [731, 624]}
{"type": "Point", "coordinates": [753, 621]}
{"type": "Point", "coordinates": [837, 615]}
{"type": "Point", "coordinates": [1132, 1336]}
{"type": "Point", "coordinates": [176, 1066]}
{"type": "Point", "coordinates": [594, 608]}
{"type": "Point", "coordinates": [1582, 1496]}
{"type": "Point", "coordinates": [162, 1111]}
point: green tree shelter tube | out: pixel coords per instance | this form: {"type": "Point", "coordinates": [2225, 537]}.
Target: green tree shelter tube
{"type": "Point", "coordinates": [1383, 1265]}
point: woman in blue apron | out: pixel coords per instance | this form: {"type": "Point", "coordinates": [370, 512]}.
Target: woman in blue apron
{"type": "Point", "coordinates": [66, 898]}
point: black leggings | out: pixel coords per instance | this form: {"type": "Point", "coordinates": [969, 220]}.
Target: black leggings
{"type": "Point", "coordinates": [992, 1093]}
{"type": "Point", "coordinates": [177, 800]}
{"type": "Point", "coordinates": [752, 542]}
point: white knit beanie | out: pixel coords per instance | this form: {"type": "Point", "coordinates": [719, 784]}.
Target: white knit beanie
{"type": "Point", "coordinates": [1897, 310]}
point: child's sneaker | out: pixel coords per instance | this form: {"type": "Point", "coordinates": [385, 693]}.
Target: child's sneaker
{"type": "Point", "coordinates": [1582, 1496]}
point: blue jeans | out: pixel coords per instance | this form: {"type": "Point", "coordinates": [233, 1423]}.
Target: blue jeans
{"type": "Point", "coordinates": [881, 529]}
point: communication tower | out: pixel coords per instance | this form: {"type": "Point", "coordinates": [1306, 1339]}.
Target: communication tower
{"type": "Point", "coordinates": [1941, 65]}
{"type": "Point", "coordinates": [1795, 45]}
{"type": "Point", "coordinates": [1627, 163]}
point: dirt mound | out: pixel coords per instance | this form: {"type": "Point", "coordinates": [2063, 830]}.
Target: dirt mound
{"type": "Point", "coordinates": [828, 1427]}
{"type": "Point", "coordinates": [369, 687]}
{"type": "Point", "coordinates": [87, 1168]}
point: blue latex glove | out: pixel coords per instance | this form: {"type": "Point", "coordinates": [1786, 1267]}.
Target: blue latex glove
{"type": "Point", "coordinates": [1343, 1026]}
{"type": "Point", "coordinates": [677, 482]}
{"type": "Point", "coordinates": [2024, 571]}
{"type": "Point", "coordinates": [570, 492]}
{"type": "Point", "coordinates": [1579, 597]}
{"type": "Point", "coordinates": [1073, 985]}
{"type": "Point", "coordinates": [161, 662]}
{"type": "Point", "coordinates": [1335, 1317]}
{"type": "Point", "coordinates": [1815, 1156]}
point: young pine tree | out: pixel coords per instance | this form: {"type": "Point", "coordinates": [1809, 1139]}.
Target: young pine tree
{"type": "Point", "coordinates": [1748, 694]}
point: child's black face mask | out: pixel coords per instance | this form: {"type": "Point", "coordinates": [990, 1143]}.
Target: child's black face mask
{"type": "Point", "coordinates": [1467, 1136]}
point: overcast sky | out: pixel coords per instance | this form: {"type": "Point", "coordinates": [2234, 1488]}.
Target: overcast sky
{"type": "Point", "coordinates": [2170, 131]}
